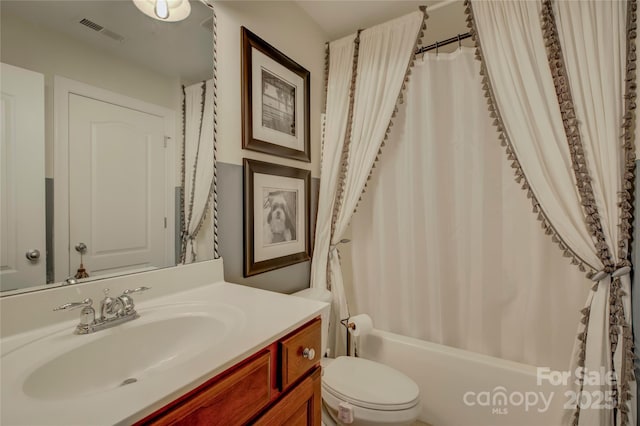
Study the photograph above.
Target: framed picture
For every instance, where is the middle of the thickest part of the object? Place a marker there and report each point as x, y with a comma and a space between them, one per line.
275, 101
276, 216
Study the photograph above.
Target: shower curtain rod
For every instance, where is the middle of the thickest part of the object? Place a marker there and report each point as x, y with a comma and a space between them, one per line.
438, 44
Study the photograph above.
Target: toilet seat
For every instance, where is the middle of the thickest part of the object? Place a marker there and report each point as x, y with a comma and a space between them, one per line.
369, 385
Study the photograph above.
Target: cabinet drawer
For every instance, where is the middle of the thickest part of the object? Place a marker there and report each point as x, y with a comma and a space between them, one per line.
233, 400
293, 363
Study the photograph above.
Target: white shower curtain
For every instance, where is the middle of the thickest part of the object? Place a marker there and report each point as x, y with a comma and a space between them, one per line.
446, 237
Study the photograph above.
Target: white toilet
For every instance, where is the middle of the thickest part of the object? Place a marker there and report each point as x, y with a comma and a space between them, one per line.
359, 392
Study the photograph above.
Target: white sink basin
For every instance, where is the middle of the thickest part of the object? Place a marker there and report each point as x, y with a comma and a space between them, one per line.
50, 376
163, 337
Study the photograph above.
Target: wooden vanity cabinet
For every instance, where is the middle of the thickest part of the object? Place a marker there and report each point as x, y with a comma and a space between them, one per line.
299, 407
275, 386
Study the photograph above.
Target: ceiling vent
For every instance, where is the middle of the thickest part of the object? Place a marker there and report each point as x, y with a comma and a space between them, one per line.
100, 29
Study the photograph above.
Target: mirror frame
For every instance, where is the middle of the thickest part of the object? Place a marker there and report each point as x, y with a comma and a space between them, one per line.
216, 251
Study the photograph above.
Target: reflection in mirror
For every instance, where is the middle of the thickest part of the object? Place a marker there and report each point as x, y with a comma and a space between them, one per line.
92, 140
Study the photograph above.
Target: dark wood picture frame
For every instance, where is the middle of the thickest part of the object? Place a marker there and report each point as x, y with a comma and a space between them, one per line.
251, 266
249, 139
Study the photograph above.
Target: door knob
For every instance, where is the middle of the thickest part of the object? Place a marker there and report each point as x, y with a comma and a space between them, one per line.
81, 248
33, 254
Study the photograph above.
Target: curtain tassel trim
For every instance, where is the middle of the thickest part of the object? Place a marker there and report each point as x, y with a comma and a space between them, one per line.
344, 156
574, 139
327, 58
618, 318
582, 355
327, 63
505, 141
628, 133
183, 163
186, 223
619, 329
212, 193
400, 98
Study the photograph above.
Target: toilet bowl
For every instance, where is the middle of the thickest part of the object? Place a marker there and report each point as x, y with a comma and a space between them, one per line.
360, 392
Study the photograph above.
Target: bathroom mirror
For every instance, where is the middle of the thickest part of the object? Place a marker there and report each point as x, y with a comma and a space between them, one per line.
95, 187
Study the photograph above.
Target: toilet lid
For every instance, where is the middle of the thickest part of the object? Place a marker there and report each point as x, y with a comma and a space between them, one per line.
369, 384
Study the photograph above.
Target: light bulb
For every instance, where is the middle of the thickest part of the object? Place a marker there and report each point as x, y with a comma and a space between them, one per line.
162, 9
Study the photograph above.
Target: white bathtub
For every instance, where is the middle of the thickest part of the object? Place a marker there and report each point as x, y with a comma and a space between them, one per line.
461, 388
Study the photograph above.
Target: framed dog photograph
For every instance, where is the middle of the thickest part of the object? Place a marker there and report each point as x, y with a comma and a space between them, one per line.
276, 216
275, 101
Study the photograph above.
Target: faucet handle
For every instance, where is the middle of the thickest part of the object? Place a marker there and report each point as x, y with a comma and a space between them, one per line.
87, 315
128, 303
136, 290
74, 305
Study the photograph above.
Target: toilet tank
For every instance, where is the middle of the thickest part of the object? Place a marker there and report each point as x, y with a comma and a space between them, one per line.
321, 295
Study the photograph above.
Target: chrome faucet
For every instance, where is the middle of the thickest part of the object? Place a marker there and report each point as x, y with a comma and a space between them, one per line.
113, 311
110, 308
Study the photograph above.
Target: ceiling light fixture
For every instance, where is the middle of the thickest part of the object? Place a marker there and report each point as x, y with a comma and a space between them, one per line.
164, 10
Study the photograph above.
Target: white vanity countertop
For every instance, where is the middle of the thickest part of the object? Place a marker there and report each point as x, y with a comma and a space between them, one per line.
260, 318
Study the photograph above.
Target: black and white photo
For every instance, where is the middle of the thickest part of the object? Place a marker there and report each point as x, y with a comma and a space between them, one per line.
276, 216
278, 104
275, 101
279, 215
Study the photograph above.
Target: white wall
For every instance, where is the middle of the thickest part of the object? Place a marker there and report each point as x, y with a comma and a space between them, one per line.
289, 29
38, 49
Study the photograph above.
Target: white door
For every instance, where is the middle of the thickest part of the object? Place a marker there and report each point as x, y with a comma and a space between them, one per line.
22, 203
117, 187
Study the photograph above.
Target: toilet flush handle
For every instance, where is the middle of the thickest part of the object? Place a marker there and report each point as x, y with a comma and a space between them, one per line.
309, 353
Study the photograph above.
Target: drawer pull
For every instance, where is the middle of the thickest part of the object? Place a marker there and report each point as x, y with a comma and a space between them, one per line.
309, 353
299, 352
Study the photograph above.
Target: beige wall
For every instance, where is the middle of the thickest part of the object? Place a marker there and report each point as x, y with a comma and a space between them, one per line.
447, 22
289, 29
35, 48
